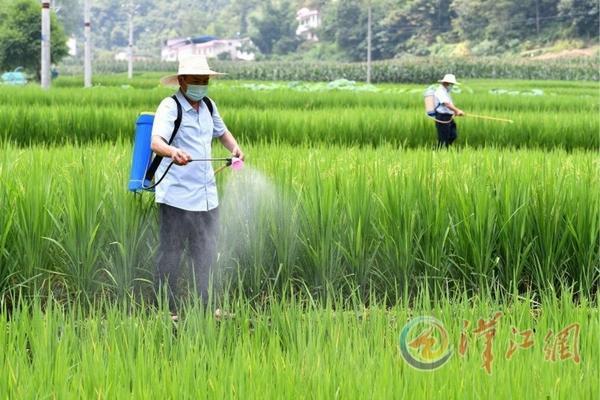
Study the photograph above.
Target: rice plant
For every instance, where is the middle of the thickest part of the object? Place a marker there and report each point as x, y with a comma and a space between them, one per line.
343, 218
343, 226
290, 348
565, 117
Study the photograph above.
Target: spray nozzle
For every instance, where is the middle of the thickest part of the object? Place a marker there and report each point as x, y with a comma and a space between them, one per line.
236, 163
233, 162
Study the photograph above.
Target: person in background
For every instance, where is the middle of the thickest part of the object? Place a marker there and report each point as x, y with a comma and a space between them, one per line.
53, 72
445, 111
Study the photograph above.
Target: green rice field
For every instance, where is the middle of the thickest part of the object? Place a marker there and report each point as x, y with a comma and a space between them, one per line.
345, 226
546, 114
289, 349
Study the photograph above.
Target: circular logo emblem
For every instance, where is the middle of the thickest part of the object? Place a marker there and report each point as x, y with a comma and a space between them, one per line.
424, 343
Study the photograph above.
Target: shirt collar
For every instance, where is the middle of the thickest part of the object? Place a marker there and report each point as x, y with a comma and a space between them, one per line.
185, 104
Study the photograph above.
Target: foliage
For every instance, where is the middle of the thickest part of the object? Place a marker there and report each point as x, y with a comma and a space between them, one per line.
275, 29
583, 15
70, 15
20, 32
333, 236
491, 27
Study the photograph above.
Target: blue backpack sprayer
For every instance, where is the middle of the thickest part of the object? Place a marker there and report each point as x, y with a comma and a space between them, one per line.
143, 165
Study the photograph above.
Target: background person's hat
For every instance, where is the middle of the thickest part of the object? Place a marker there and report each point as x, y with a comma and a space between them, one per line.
449, 78
190, 65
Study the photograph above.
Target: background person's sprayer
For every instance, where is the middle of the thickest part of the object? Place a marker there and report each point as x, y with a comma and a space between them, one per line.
431, 104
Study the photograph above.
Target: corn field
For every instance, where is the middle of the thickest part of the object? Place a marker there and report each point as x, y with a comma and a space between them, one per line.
409, 69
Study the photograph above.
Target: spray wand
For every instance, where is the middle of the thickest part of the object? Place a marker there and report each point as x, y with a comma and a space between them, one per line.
234, 162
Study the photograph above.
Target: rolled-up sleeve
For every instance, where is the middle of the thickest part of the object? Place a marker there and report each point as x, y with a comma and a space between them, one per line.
219, 127
164, 119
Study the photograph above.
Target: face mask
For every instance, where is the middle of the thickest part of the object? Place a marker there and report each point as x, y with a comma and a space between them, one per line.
196, 92
450, 88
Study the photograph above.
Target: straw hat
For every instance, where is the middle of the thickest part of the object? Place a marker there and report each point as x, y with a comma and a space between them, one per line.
449, 78
190, 65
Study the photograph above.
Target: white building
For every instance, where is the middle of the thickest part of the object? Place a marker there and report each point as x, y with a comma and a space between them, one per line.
308, 22
206, 46
121, 56
124, 56
72, 46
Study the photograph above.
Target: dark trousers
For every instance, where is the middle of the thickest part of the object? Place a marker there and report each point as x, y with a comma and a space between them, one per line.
446, 131
196, 230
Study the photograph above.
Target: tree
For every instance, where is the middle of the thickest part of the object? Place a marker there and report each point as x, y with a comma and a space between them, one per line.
241, 9
275, 30
70, 15
502, 22
351, 29
20, 32
582, 16
345, 24
412, 26
540, 13
471, 18
399, 26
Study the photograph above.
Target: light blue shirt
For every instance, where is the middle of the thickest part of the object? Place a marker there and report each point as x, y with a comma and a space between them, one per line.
190, 187
442, 96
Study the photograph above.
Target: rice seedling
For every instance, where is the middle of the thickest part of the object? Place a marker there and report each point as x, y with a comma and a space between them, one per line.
343, 226
557, 96
564, 117
336, 217
339, 126
290, 348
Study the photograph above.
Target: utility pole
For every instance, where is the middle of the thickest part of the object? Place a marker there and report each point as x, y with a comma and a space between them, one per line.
130, 48
45, 68
369, 46
87, 62
537, 17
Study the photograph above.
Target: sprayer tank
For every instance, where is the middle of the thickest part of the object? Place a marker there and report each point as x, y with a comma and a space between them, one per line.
142, 152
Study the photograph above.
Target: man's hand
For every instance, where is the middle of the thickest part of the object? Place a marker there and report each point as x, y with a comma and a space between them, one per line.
237, 152
459, 112
180, 157
229, 142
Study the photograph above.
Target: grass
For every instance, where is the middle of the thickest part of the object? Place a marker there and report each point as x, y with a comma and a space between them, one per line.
520, 219
565, 117
343, 226
289, 348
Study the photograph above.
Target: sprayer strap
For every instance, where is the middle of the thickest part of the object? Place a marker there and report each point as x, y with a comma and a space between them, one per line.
157, 159
209, 105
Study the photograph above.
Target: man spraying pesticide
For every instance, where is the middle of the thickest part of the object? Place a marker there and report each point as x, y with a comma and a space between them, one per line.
444, 110
181, 135
440, 107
